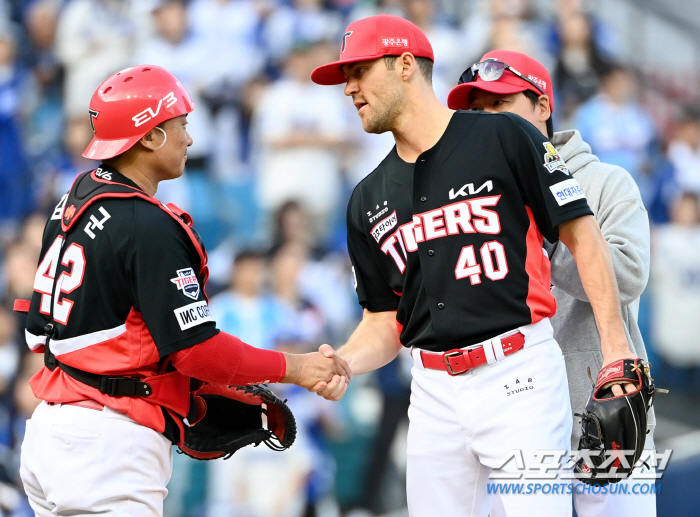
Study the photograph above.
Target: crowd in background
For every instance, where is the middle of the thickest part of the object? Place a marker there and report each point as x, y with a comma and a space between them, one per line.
274, 160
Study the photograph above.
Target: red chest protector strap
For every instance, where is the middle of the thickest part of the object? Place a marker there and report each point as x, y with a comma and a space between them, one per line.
92, 186
168, 389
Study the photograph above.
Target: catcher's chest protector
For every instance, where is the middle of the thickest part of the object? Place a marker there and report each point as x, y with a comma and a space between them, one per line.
168, 389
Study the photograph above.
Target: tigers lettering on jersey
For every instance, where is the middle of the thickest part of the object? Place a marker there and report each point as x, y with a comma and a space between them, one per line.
469, 216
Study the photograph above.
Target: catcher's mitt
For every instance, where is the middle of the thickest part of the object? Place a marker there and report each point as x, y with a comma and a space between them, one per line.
613, 428
233, 419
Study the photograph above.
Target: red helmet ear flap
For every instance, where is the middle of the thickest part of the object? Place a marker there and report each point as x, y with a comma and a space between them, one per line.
129, 104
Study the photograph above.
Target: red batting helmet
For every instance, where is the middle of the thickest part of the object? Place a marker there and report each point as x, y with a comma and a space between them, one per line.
131, 103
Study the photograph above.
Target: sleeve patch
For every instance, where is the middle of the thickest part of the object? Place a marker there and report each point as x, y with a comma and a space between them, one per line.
567, 191
552, 160
384, 226
186, 281
192, 315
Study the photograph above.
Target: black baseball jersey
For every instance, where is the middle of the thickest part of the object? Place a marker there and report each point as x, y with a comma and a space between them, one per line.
453, 243
124, 286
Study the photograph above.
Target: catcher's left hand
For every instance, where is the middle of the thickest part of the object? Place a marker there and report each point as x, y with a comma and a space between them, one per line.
613, 422
233, 418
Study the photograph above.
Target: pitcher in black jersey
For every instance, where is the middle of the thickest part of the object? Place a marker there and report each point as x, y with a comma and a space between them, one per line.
445, 238
120, 312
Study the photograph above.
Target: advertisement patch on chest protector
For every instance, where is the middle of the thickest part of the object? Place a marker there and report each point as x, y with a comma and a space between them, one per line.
567, 191
192, 315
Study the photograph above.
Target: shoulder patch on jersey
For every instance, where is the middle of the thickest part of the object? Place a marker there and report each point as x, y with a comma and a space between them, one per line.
552, 160
186, 281
567, 191
69, 212
192, 315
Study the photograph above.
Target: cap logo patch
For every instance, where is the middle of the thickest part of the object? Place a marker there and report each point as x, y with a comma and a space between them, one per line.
186, 281
93, 116
539, 82
345, 38
395, 42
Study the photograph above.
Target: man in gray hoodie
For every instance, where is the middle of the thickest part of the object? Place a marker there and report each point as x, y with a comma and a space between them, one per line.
616, 203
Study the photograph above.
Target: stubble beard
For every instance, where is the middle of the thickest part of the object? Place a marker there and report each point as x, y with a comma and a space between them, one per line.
385, 115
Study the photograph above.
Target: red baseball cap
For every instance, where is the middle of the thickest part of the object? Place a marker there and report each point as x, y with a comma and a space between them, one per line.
372, 38
508, 82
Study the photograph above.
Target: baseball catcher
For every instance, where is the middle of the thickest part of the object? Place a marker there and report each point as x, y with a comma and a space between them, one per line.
231, 417
613, 428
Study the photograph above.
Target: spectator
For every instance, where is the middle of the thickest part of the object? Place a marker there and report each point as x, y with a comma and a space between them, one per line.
303, 323
504, 24
19, 270
304, 21
299, 128
176, 47
94, 39
288, 323
619, 130
365, 9
246, 309
684, 151
292, 226
323, 278
9, 350
229, 30
580, 63
41, 20
675, 284
449, 55
76, 136
15, 179
45, 122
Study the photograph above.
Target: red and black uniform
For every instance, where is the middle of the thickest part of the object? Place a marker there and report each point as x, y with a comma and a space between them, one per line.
119, 292
453, 243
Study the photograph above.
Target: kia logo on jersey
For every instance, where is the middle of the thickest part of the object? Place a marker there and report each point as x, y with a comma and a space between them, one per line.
187, 282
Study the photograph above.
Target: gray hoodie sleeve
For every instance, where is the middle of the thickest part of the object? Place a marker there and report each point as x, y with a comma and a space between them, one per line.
623, 220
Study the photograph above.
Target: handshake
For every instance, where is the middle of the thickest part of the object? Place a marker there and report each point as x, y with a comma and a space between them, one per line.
323, 372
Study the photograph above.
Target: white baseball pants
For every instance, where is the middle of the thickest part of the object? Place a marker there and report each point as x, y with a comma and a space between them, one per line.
80, 461
462, 426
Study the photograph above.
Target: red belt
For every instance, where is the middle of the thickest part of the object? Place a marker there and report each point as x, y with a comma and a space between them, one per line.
459, 361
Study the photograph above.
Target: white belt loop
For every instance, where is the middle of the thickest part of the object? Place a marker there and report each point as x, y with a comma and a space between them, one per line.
498, 348
489, 346
417, 359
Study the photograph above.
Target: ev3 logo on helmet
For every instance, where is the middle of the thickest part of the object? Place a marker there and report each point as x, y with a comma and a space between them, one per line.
148, 113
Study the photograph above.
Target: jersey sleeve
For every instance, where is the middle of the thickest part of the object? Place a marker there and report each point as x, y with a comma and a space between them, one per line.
547, 185
373, 292
168, 291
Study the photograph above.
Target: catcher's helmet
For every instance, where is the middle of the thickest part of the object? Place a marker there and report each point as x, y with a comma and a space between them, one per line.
129, 104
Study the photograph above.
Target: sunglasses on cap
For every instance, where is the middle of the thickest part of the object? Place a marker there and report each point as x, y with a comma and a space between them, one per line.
491, 70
